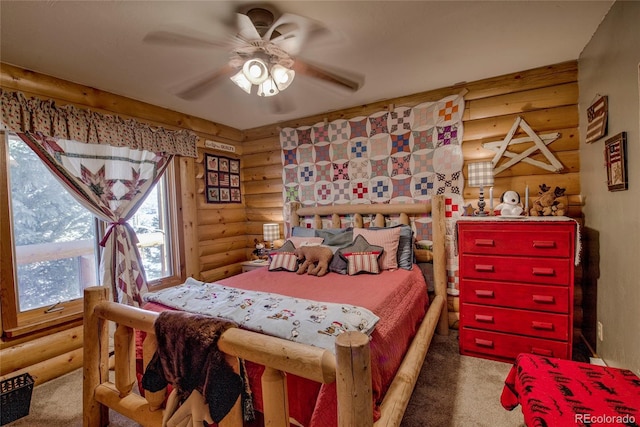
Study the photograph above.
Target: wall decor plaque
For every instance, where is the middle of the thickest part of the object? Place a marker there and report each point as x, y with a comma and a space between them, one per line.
222, 179
616, 161
597, 114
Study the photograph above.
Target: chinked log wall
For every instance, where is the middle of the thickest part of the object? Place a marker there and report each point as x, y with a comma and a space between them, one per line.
546, 98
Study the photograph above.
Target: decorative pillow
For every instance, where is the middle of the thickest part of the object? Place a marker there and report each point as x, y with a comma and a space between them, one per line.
305, 241
340, 238
287, 261
388, 238
405, 246
283, 259
362, 262
303, 232
340, 264
333, 230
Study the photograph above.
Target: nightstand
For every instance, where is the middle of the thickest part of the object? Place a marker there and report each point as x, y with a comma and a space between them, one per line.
255, 264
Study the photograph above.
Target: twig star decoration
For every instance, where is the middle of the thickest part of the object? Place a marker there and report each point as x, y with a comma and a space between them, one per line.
540, 143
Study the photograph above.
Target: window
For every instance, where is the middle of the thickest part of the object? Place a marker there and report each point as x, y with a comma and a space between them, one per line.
53, 251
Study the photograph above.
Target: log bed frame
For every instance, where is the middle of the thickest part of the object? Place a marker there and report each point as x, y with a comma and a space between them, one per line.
349, 367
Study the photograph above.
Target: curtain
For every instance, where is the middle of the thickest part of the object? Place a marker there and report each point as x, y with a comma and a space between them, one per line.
21, 114
112, 182
108, 164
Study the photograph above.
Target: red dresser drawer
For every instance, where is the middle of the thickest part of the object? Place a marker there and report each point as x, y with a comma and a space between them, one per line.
553, 299
521, 322
550, 271
506, 347
539, 240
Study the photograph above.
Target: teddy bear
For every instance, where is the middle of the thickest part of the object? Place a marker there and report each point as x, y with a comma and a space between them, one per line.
259, 252
548, 204
316, 259
510, 204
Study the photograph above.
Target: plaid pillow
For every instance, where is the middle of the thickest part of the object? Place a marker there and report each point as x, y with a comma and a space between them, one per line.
362, 262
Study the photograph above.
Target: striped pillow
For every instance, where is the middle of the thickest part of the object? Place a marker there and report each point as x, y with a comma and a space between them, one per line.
388, 238
286, 261
362, 262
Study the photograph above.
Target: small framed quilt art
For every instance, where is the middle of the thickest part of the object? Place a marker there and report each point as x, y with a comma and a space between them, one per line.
615, 155
222, 179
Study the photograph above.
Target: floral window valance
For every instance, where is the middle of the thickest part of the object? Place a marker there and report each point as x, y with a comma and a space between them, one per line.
20, 114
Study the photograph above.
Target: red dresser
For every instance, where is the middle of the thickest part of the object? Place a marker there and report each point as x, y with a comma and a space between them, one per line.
516, 287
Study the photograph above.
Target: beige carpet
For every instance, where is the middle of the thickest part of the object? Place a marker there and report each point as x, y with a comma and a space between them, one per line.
452, 390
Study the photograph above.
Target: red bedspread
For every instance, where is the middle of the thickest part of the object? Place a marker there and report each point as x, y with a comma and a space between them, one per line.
556, 392
398, 297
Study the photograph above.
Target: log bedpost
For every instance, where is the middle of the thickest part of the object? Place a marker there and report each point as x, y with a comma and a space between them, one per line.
96, 368
353, 380
335, 221
274, 398
125, 357
440, 258
295, 218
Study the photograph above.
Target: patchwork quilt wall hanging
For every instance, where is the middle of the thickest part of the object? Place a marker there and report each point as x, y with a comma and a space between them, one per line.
400, 156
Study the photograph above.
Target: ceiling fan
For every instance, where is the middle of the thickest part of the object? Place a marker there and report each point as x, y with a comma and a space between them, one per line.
263, 49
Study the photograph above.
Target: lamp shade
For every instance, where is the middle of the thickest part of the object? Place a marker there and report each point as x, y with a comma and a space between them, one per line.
241, 81
270, 232
480, 174
282, 76
267, 88
255, 70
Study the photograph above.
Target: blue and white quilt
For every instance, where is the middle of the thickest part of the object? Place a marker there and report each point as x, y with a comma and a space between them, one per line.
296, 319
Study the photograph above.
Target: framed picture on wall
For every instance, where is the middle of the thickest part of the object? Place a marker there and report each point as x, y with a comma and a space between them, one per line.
597, 114
615, 156
222, 179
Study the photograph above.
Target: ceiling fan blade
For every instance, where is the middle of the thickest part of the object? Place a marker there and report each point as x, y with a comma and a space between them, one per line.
294, 31
280, 104
199, 87
246, 30
169, 38
341, 78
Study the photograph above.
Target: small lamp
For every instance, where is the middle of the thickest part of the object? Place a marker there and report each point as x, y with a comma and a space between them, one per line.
481, 174
270, 232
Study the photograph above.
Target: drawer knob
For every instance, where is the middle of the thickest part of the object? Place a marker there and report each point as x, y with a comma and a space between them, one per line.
485, 242
484, 343
542, 351
484, 267
544, 299
541, 271
484, 293
544, 244
483, 318
542, 326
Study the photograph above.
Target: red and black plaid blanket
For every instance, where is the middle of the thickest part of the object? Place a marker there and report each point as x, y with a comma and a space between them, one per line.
556, 392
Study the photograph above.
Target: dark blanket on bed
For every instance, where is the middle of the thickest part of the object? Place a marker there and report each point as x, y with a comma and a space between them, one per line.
188, 358
557, 392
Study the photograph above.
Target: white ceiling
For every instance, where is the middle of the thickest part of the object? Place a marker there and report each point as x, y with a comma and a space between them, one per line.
402, 47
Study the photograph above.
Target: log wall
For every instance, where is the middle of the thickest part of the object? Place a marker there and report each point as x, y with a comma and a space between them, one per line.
546, 98
216, 238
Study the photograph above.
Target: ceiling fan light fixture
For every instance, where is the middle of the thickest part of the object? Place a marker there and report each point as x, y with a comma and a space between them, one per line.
255, 70
242, 82
282, 76
268, 88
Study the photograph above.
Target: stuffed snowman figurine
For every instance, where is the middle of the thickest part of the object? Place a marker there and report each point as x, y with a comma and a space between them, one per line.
510, 204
